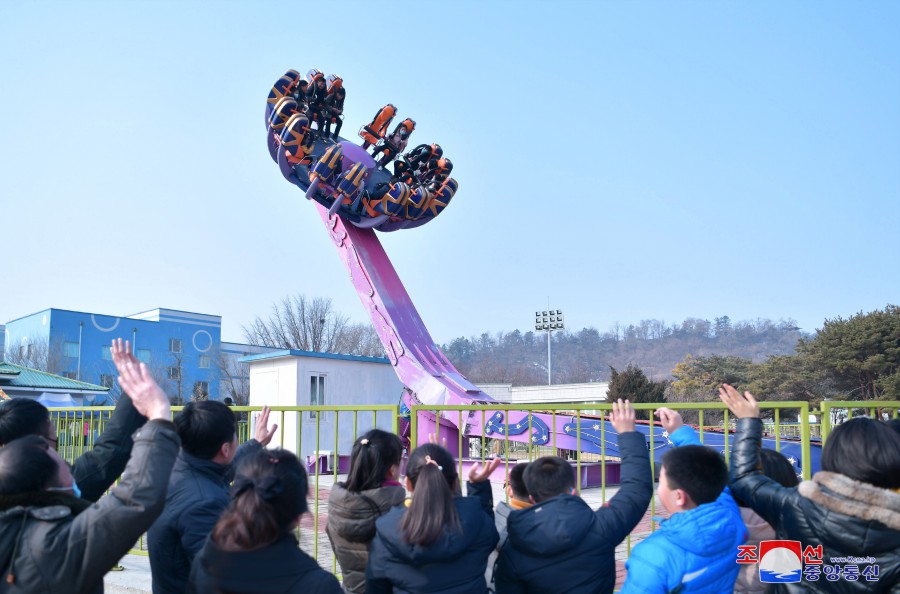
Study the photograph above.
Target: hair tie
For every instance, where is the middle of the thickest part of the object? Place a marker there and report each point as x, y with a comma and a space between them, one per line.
273, 460
267, 488
430, 460
364, 441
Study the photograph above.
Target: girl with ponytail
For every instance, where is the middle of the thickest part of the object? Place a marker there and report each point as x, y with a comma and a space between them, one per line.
253, 549
370, 491
438, 541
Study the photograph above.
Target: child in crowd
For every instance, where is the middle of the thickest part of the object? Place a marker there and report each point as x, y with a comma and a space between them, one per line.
774, 465
560, 544
850, 508
518, 499
696, 548
252, 549
370, 491
437, 542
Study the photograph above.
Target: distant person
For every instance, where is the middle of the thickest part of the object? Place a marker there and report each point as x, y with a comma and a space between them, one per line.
198, 489
560, 544
253, 549
850, 508
315, 98
96, 470
518, 499
438, 542
334, 113
370, 491
51, 540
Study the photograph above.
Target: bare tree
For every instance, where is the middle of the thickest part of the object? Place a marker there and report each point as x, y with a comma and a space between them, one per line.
39, 353
312, 324
234, 377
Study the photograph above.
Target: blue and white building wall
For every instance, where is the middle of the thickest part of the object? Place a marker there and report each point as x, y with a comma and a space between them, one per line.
179, 347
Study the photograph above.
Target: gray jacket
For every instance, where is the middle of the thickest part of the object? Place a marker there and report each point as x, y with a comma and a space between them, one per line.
58, 543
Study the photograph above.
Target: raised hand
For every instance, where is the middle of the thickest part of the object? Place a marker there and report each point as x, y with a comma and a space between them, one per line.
261, 433
622, 416
432, 438
135, 379
670, 419
743, 407
482, 472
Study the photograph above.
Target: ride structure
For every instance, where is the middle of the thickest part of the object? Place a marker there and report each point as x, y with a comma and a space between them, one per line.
354, 197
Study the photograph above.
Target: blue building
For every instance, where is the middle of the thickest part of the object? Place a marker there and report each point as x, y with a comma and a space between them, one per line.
184, 350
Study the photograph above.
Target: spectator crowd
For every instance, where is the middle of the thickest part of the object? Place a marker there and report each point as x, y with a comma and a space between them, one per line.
223, 518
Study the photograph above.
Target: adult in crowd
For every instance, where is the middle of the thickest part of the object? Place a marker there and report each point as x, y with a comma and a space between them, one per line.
850, 508
96, 470
198, 488
53, 541
253, 548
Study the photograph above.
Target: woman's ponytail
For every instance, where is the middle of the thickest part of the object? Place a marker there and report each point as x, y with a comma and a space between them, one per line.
373, 455
432, 472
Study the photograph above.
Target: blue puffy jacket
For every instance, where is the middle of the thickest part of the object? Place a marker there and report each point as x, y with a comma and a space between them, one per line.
694, 551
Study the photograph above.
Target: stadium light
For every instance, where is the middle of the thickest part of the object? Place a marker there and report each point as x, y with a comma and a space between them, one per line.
548, 320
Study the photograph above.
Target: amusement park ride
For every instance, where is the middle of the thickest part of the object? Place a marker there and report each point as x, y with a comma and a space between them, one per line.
356, 196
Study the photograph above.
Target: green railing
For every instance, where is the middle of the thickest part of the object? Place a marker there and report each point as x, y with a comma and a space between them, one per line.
311, 430
833, 411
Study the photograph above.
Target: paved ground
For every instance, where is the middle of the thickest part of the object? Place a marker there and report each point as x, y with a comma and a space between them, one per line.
135, 575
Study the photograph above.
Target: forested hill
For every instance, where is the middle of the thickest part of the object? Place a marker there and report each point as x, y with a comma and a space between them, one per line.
586, 355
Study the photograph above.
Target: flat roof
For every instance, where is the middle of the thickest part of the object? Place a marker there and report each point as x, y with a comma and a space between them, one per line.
314, 355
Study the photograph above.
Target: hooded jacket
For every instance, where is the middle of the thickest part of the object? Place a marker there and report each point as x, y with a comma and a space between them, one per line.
562, 545
454, 564
692, 551
198, 494
280, 568
64, 544
351, 527
846, 517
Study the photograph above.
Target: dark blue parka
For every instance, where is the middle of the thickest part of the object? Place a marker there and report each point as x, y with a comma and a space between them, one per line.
454, 564
562, 545
198, 494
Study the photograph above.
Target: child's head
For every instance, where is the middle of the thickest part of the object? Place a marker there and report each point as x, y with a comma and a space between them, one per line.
431, 476
690, 476
865, 450
267, 499
515, 485
375, 458
775, 466
549, 477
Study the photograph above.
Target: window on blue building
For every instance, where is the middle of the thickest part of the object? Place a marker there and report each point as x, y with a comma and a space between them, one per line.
203, 362
143, 355
104, 352
316, 392
174, 373
174, 345
107, 381
68, 374
70, 349
201, 388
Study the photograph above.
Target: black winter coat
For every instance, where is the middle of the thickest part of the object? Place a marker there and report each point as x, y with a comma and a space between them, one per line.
280, 568
846, 517
64, 544
95, 471
562, 545
351, 528
454, 564
198, 494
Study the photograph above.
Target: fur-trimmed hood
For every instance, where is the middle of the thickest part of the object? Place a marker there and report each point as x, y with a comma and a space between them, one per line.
844, 495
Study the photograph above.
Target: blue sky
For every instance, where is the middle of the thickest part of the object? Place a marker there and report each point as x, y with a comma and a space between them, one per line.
628, 160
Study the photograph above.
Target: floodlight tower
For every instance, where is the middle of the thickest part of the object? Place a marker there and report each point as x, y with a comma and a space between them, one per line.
548, 321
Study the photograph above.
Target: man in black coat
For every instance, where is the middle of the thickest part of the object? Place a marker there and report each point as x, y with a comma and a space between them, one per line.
560, 544
198, 489
94, 471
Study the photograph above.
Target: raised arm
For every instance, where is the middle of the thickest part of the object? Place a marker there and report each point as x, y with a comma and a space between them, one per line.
95, 471
765, 496
627, 507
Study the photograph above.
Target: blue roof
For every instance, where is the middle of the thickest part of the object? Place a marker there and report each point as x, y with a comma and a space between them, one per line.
313, 354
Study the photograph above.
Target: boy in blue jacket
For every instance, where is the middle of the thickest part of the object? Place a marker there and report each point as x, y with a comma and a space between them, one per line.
695, 550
